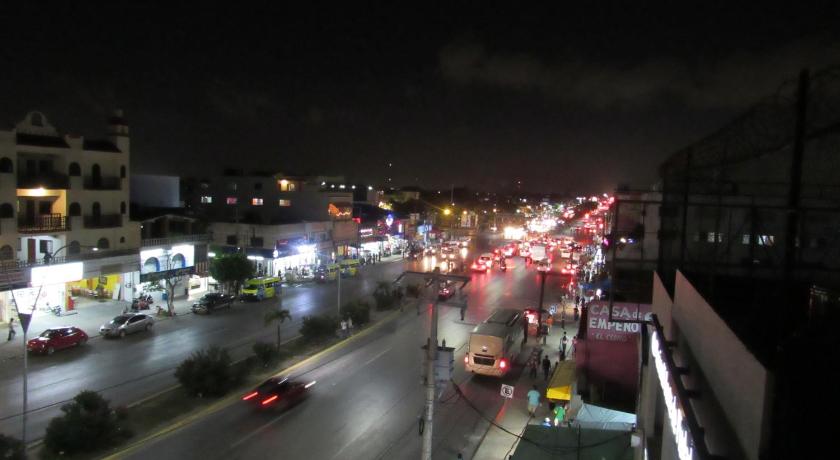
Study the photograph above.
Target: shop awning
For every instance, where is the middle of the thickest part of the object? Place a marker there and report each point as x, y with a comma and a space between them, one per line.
562, 382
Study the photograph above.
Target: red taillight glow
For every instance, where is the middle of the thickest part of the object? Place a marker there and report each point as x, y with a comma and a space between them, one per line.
502, 364
249, 396
270, 400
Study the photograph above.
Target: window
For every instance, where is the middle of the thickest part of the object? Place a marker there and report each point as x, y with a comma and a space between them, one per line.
96, 209
7, 253
206, 199
232, 186
766, 240
74, 169
177, 261
231, 200
286, 186
6, 165
122, 239
257, 185
232, 239
745, 239
122, 171
44, 246
256, 201
712, 237
103, 243
256, 242
75, 209
284, 203
122, 207
6, 210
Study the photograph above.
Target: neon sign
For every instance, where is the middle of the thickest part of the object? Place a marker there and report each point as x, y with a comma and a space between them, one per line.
683, 439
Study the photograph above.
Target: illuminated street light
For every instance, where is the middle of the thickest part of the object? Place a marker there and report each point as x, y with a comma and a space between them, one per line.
447, 212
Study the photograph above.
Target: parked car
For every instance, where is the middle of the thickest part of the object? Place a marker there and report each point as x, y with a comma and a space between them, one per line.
57, 338
544, 266
126, 324
212, 301
447, 290
278, 392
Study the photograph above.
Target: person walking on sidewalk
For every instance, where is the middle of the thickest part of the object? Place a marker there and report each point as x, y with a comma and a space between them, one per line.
532, 364
559, 414
563, 343
533, 401
11, 330
574, 346
350, 325
546, 365
343, 328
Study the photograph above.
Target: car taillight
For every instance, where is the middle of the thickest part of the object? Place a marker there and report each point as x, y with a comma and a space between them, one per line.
249, 396
502, 364
269, 400
466, 359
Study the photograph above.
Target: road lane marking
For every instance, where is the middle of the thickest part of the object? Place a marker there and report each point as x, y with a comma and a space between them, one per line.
232, 399
375, 357
258, 430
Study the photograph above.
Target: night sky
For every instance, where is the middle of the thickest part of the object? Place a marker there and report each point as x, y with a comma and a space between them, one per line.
571, 99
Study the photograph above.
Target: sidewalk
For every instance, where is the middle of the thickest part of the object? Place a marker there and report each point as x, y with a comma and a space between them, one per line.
87, 316
498, 444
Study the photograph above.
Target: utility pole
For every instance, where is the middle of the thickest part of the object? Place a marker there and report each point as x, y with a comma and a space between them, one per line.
433, 278
338, 277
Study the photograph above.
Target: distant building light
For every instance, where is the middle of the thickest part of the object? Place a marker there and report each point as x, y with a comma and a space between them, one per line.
341, 186
370, 187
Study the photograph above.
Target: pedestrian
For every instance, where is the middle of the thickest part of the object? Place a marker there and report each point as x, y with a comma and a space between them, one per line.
350, 324
11, 329
577, 313
574, 346
533, 401
562, 354
546, 365
343, 328
564, 342
533, 365
463, 310
559, 414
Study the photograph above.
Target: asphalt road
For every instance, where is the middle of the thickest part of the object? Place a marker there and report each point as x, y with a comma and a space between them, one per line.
142, 364
368, 396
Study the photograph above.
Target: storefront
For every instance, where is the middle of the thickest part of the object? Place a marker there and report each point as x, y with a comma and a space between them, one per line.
163, 265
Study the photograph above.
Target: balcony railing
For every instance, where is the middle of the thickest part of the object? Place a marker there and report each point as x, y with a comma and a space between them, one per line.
103, 183
103, 221
44, 223
172, 240
48, 180
14, 265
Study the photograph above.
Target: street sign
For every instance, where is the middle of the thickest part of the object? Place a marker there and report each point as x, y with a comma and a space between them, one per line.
507, 391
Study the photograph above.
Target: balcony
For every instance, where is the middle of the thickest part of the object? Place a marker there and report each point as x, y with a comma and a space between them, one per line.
103, 221
102, 183
44, 224
173, 240
48, 180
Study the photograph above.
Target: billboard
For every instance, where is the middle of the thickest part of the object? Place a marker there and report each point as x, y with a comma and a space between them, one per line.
165, 259
599, 326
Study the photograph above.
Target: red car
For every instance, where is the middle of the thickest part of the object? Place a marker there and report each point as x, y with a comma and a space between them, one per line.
57, 338
278, 392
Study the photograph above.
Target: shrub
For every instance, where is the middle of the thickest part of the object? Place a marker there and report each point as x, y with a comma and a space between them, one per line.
358, 311
413, 291
206, 373
318, 327
88, 424
11, 448
265, 352
385, 296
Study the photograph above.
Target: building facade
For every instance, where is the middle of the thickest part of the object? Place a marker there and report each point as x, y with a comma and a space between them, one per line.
65, 198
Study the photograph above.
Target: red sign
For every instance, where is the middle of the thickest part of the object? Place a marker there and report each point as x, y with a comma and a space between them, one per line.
600, 327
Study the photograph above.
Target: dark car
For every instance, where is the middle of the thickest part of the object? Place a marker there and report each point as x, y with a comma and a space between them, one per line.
212, 301
57, 338
447, 290
278, 392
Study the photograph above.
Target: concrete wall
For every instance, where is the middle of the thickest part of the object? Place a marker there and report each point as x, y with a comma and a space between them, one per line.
739, 381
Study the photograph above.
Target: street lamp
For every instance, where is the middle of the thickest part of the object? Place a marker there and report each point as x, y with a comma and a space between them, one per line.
49, 256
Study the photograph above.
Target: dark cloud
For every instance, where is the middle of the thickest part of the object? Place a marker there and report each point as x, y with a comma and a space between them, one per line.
731, 81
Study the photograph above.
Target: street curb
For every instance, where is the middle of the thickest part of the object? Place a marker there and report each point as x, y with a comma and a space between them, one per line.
228, 400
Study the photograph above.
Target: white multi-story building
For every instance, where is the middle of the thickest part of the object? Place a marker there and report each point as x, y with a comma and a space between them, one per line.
66, 197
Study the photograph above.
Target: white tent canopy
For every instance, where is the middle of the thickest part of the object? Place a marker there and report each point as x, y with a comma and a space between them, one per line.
590, 416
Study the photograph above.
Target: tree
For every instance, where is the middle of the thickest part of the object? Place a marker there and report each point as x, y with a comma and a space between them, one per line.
231, 270
11, 448
206, 372
280, 315
88, 424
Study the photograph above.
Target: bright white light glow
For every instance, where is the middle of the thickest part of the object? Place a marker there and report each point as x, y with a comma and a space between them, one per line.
56, 274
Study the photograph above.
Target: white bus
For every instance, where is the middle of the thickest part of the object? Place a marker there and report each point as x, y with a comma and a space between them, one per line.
495, 343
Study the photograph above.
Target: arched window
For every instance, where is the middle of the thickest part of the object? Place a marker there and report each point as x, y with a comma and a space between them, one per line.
6, 165
7, 253
122, 239
151, 265
103, 243
96, 175
177, 261
75, 209
96, 210
122, 171
74, 169
74, 248
122, 207
6, 211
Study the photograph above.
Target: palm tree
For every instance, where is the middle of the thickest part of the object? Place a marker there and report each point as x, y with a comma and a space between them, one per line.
280, 315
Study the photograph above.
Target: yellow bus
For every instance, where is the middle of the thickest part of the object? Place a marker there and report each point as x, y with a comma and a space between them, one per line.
261, 288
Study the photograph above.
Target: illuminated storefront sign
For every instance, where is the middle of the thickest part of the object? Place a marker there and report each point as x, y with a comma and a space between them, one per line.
55, 274
676, 417
365, 232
